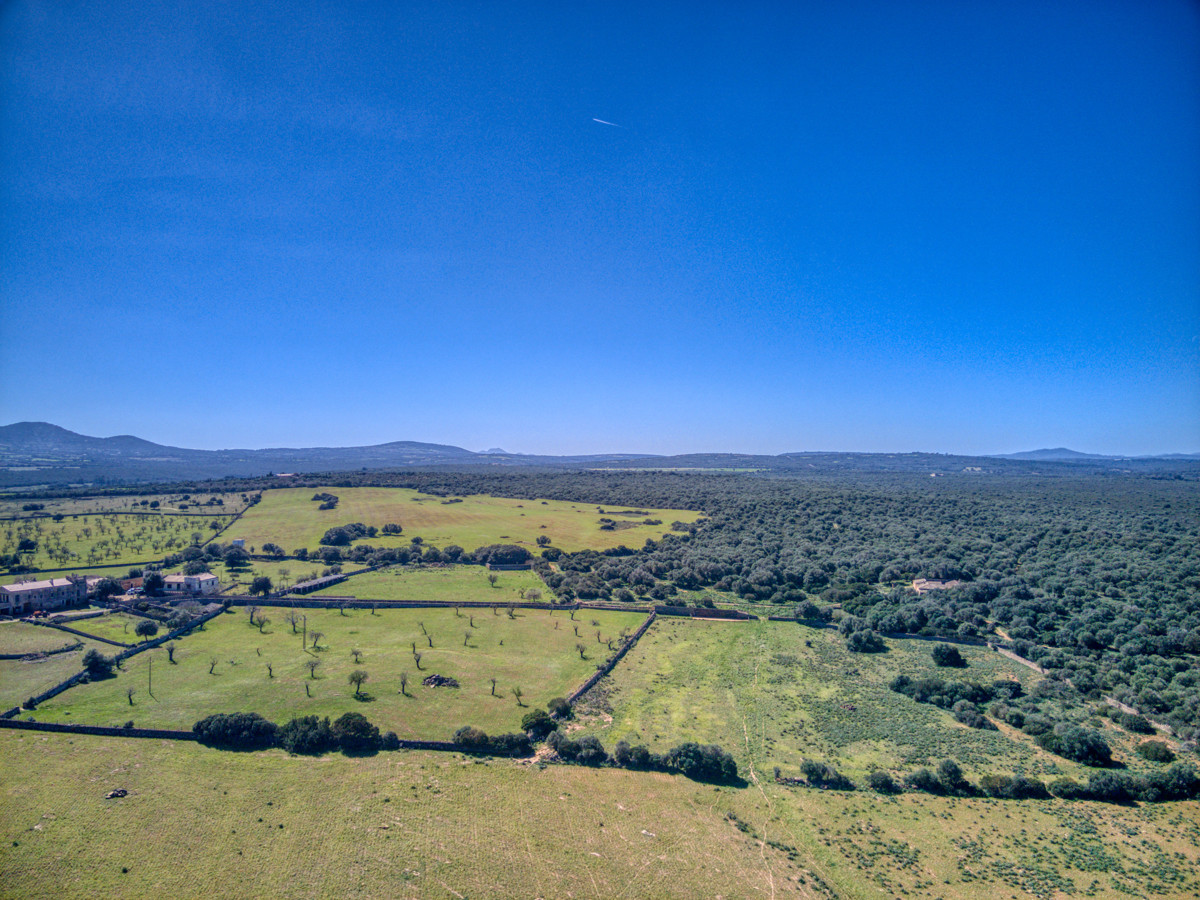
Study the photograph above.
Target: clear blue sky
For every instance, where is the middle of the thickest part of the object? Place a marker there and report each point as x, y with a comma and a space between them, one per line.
952, 226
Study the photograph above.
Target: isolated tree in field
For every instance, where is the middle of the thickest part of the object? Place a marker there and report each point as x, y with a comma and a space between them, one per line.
493, 578
316, 638
170, 648
466, 638
576, 631
417, 660
472, 621
263, 622
422, 626
356, 678
312, 667
948, 656
146, 629
598, 641
533, 594
512, 611
261, 585
518, 693
212, 664
253, 611
293, 619
493, 680
357, 654
429, 638
404, 683
581, 648
129, 693
270, 671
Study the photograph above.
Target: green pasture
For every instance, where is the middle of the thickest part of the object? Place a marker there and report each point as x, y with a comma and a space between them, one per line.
777, 693
451, 584
168, 503
538, 655
104, 539
21, 637
290, 518
21, 679
115, 626
438, 825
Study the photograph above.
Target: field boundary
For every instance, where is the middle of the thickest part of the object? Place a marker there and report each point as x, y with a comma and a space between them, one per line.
34, 654
611, 662
74, 631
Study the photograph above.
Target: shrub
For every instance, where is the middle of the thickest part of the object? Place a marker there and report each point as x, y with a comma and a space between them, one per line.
702, 763
1155, 751
511, 745
947, 656
236, 731
1082, 745
354, 734
1135, 723
390, 741
865, 642
882, 783
307, 735
97, 665
950, 775
560, 708
923, 780
627, 757
1068, 789
471, 739
537, 724
591, 752
823, 775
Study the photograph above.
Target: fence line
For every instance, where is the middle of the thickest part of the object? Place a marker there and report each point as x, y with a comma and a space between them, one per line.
612, 661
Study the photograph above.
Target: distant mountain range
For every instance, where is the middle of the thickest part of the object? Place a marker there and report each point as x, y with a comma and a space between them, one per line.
38, 453
1062, 454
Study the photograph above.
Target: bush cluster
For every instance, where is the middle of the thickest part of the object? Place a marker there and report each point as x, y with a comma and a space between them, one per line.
307, 735
473, 740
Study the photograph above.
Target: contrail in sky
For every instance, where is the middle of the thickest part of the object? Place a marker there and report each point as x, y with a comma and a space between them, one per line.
613, 124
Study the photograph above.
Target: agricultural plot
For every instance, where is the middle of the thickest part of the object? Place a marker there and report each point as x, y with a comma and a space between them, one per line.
21, 679
203, 503
413, 824
108, 539
405, 825
290, 518
21, 637
447, 584
113, 627
224, 668
777, 693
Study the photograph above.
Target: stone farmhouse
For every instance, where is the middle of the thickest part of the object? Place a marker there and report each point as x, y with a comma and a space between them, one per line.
31, 596
203, 584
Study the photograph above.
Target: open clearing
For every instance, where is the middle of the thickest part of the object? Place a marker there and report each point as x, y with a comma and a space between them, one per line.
538, 655
290, 518
204, 503
447, 584
414, 824
777, 693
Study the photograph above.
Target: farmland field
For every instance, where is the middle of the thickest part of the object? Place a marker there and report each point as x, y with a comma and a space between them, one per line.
448, 585
114, 627
203, 503
777, 693
290, 518
21, 637
93, 540
538, 655
24, 678
415, 825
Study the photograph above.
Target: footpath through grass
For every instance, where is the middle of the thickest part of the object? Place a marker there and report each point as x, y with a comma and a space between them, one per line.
289, 517
535, 651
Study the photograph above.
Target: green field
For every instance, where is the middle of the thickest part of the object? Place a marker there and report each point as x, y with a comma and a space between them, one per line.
536, 656
21, 637
762, 691
114, 627
447, 585
289, 518
168, 503
115, 540
430, 825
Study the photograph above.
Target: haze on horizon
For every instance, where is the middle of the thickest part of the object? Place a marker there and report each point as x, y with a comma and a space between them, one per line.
862, 226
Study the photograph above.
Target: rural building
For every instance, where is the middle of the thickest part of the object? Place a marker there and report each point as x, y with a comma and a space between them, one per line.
921, 585
204, 583
18, 599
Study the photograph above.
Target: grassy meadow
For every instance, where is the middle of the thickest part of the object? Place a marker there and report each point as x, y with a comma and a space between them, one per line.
114, 503
777, 693
436, 825
538, 655
447, 585
290, 518
21, 679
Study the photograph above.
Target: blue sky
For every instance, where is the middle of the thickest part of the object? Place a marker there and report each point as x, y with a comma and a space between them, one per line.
961, 227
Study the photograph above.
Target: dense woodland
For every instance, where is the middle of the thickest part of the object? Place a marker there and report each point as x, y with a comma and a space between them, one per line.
1094, 574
